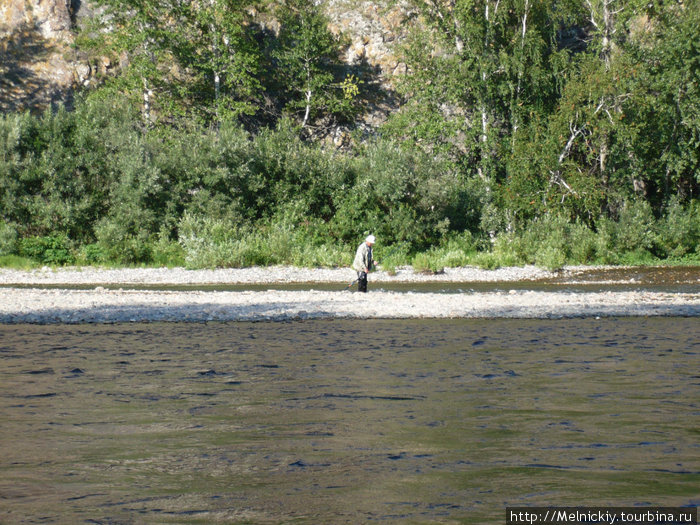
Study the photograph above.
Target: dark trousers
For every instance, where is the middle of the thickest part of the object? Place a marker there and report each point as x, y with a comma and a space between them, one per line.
361, 282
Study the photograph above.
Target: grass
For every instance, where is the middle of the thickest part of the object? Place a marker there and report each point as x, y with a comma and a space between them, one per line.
15, 262
432, 261
272, 249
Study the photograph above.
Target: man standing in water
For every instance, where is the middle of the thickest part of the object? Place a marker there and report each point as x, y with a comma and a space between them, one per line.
363, 262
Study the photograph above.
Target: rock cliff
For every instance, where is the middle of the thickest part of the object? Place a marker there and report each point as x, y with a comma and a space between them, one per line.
36, 66
40, 66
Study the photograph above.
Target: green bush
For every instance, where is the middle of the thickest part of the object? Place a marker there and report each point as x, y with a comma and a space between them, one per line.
54, 249
508, 250
168, 253
550, 241
17, 262
119, 245
582, 244
426, 262
392, 256
8, 239
211, 243
325, 256
95, 186
679, 230
635, 231
486, 260
550, 257
455, 251
91, 254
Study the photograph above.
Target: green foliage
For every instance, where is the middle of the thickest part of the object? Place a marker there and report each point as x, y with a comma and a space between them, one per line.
53, 250
679, 230
454, 251
91, 254
17, 263
489, 61
664, 116
215, 42
166, 252
122, 245
210, 243
404, 197
8, 239
306, 53
93, 186
549, 242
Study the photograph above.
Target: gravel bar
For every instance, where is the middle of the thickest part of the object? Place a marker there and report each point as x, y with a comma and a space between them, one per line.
34, 304
258, 275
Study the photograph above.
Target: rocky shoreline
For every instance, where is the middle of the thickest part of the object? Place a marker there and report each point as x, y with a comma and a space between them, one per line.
78, 295
258, 275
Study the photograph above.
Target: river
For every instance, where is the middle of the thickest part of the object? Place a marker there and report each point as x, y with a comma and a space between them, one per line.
346, 421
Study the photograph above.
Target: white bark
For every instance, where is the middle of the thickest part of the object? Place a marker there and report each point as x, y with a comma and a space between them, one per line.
521, 66
556, 174
147, 93
307, 112
602, 16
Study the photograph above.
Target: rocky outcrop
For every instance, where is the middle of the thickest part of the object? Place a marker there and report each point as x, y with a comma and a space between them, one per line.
39, 65
374, 28
50, 18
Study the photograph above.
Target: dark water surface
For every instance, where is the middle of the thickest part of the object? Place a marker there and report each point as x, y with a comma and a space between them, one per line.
337, 421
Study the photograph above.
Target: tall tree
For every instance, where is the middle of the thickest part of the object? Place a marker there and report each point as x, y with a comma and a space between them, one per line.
664, 117
582, 156
478, 73
482, 63
307, 56
137, 34
216, 45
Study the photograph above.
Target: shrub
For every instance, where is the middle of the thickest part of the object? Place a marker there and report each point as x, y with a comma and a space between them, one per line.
508, 250
53, 249
581, 244
426, 262
545, 236
17, 262
486, 260
321, 256
550, 257
121, 245
679, 230
167, 253
8, 239
634, 230
91, 254
212, 243
549, 241
456, 250
392, 256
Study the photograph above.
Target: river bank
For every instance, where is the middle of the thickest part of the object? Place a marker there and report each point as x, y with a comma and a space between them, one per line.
51, 296
260, 275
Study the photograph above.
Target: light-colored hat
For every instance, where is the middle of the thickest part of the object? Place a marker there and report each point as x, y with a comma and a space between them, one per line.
370, 239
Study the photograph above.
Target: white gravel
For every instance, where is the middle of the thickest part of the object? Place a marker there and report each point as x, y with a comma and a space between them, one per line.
35, 304
257, 275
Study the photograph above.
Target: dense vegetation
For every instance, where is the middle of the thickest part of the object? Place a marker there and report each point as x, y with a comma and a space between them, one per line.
530, 132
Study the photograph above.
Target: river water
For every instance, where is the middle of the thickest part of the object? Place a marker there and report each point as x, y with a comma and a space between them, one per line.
339, 421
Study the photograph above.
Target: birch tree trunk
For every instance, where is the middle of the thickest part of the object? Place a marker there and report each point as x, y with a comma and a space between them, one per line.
521, 69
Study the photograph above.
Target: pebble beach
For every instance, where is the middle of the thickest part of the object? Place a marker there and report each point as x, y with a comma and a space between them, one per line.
93, 295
